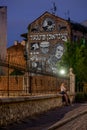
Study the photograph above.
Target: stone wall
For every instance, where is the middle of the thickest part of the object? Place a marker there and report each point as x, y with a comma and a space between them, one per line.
14, 109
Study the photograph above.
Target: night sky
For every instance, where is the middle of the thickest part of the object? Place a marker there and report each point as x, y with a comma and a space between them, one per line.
20, 13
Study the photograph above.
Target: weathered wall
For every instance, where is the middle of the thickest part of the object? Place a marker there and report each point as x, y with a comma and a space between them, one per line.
14, 109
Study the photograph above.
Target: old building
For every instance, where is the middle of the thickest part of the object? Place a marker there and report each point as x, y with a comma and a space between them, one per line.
46, 37
45, 40
15, 57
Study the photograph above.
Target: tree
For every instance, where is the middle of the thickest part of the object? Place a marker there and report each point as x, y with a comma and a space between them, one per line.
75, 57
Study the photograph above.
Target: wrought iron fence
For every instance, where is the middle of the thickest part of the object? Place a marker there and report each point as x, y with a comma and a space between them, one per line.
23, 83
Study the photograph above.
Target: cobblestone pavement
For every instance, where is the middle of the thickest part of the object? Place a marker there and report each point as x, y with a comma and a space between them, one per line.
80, 123
55, 119
73, 120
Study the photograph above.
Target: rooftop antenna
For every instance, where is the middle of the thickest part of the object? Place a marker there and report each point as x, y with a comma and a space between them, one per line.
67, 15
54, 8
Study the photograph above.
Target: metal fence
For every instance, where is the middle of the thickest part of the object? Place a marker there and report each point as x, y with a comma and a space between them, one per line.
23, 83
30, 85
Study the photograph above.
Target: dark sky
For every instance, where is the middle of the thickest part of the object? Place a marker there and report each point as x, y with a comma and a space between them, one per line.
22, 12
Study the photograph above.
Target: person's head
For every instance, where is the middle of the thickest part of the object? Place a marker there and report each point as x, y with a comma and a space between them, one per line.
63, 84
59, 51
44, 46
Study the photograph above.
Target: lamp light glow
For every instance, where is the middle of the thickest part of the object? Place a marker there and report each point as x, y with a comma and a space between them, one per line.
62, 72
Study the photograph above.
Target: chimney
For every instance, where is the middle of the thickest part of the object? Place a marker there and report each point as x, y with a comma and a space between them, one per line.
23, 43
15, 43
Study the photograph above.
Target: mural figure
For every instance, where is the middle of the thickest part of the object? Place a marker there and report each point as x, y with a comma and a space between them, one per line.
48, 24
34, 46
36, 66
56, 56
38, 62
44, 46
59, 51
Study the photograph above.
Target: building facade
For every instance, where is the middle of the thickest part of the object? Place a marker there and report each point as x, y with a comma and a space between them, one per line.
46, 37
15, 57
45, 41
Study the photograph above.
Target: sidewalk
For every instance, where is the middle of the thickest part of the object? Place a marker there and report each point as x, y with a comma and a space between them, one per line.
77, 116
49, 120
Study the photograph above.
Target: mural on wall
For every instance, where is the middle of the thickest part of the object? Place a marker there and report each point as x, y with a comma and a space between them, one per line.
56, 55
34, 46
39, 60
35, 29
38, 53
44, 47
47, 45
48, 24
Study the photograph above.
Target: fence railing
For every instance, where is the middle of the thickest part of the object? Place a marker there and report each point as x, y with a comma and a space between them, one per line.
22, 85
30, 85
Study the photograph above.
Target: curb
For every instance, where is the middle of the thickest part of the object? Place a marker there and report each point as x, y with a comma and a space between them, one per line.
64, 121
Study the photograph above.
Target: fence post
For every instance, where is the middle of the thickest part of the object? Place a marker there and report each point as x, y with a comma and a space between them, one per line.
72, 81
8, 74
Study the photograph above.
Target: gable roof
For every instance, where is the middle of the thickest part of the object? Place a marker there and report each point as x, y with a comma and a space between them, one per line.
17, 47
46, 13
74, 25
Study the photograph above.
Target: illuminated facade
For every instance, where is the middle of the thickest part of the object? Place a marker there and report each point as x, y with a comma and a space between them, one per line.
46, 38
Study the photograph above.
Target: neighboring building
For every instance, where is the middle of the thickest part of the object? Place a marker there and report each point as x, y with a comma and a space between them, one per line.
15, 56
84, 23
3, 34
45, 40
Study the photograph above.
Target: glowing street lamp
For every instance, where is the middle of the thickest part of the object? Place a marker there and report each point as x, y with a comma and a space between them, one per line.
62, 72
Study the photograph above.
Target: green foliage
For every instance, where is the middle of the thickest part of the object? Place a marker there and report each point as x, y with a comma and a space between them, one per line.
76, 57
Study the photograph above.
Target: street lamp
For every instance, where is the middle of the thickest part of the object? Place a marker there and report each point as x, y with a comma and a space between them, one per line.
62, 72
